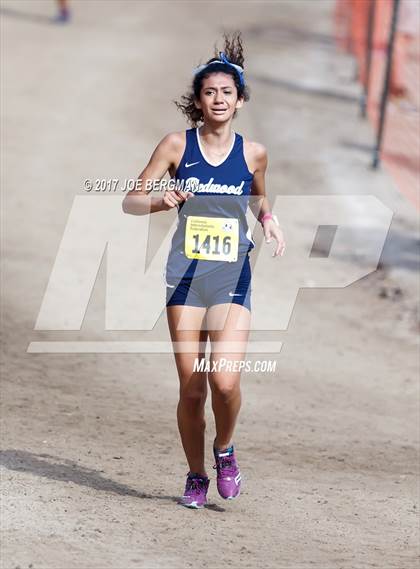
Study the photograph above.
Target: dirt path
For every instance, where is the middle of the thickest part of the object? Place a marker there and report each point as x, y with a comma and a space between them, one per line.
91, 459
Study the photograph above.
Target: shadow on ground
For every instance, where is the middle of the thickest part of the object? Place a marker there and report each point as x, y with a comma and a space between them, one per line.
66, 470
26, 16
282, 32
294, 87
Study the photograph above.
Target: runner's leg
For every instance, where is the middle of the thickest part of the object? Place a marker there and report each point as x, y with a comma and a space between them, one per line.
192, 385
225, 384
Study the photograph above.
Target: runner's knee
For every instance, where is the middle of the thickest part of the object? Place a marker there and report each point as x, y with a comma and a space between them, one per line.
226, 391
193, 397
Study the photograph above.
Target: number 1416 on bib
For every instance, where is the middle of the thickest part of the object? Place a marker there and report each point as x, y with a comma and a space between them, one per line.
211, 238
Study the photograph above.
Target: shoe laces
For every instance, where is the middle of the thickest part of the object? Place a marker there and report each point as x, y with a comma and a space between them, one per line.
195, 484
226, 463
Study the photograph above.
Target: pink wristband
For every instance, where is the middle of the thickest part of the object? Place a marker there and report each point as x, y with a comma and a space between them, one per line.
265, 217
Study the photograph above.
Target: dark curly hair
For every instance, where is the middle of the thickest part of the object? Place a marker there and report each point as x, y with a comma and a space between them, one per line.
233, 50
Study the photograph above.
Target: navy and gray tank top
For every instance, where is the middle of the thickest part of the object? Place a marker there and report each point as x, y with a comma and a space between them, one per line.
220, 191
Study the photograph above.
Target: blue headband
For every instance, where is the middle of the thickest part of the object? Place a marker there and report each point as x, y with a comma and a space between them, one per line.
224, 60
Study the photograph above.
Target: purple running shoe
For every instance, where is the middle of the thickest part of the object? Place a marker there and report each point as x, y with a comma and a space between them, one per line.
228, 474
195, 495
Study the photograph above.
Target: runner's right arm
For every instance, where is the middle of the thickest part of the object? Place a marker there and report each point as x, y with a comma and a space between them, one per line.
166, 155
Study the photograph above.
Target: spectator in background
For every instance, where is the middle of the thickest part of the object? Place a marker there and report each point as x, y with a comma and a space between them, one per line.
63, 16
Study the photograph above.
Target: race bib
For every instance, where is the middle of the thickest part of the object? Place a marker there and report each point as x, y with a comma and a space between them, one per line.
212, 238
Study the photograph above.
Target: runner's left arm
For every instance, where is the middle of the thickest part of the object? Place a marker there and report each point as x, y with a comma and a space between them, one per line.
259, 204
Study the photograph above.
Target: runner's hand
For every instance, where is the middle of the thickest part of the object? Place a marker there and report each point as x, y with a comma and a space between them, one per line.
171, 198
273, 231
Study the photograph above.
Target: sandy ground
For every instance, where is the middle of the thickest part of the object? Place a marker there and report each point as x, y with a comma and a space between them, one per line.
328, 444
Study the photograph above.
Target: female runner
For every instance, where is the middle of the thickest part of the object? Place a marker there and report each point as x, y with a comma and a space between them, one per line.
208, 271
